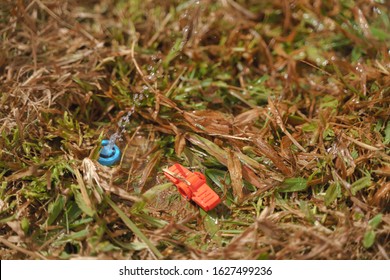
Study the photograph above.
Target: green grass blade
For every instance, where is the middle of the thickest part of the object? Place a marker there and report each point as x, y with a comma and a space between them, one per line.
293, 185
133, 227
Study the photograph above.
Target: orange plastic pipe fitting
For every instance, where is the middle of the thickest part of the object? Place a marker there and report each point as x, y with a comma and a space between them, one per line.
192, 186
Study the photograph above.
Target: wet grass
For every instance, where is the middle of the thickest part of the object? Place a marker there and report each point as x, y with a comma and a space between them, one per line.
283, 106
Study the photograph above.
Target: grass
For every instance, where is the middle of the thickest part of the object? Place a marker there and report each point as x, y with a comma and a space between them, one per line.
284, 108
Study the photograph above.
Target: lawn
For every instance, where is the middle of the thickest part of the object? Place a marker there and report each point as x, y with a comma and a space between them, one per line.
284, 106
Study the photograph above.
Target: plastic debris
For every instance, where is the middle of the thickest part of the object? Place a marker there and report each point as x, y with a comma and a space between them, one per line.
109, 156
192, 186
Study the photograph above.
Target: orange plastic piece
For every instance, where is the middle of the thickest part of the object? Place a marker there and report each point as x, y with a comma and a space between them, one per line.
192, 186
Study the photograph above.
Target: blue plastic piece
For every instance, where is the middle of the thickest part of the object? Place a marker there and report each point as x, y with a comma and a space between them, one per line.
109, 156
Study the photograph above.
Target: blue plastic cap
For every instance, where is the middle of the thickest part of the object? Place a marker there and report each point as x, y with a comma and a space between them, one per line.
109, 156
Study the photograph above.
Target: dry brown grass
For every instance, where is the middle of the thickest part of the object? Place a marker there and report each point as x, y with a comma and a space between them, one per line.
284, 107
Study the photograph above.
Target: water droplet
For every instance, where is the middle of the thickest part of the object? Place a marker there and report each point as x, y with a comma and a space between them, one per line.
151, 76
117, 136
186, 29
377, 10
359, 68
215, 220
